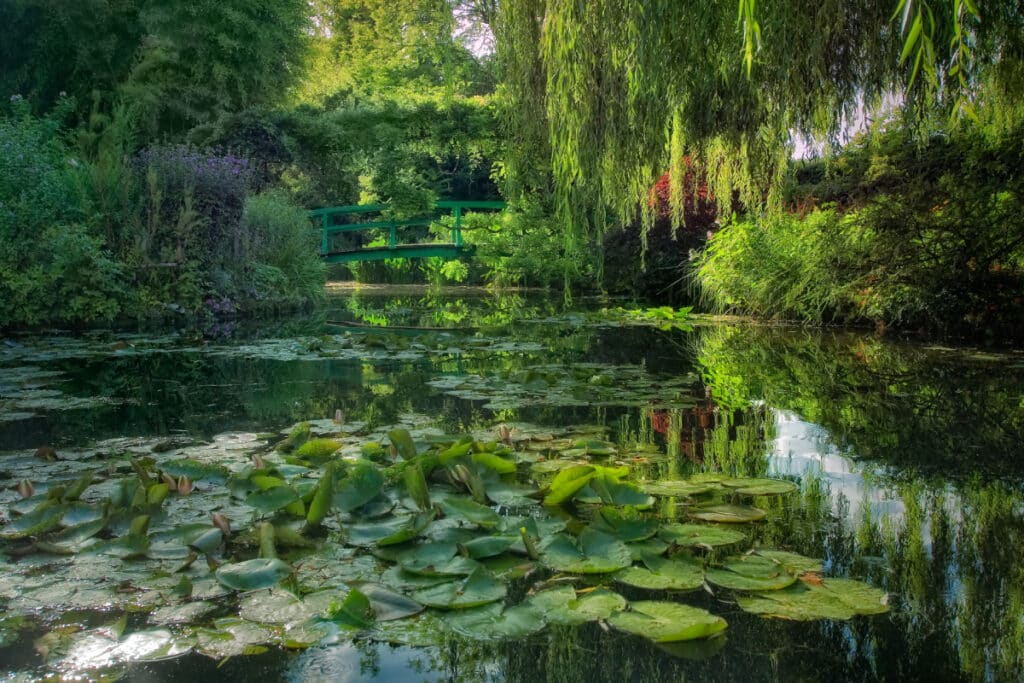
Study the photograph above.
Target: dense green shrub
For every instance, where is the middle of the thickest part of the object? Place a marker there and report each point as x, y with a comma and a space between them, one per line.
925, 235
283, 249
51, 267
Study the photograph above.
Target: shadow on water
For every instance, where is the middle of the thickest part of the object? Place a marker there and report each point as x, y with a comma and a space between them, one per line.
909, 460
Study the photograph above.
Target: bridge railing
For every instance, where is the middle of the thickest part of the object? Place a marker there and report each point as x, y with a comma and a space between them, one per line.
328, 227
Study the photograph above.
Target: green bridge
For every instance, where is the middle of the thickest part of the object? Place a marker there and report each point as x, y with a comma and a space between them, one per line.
332, 223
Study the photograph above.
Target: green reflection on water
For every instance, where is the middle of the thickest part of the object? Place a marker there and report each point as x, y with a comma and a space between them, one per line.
931, 436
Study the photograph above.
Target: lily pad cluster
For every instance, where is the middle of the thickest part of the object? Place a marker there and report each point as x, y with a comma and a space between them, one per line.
329, 532
582, 384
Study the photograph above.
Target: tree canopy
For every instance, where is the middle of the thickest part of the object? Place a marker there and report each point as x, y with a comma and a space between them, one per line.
621, 91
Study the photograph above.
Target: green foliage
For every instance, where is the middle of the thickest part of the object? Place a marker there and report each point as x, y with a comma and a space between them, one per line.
930, 236
51, 267
618, 92
283, 248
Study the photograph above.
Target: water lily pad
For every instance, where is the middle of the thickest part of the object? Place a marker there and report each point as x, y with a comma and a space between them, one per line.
195, 470
832, 599
674, 488
695, 535
750, 573
389, 532
791, 562
470, 511
272, 499
666, 622
479, 588
253, 574
760, 486
40, 520
362, 483
563, 605
489, 546
387, 604
624, 524
658, 573
401, 439
495, 622
729, 514
594, 553
567, 482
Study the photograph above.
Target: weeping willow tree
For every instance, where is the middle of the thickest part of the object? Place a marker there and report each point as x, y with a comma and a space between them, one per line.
608, 94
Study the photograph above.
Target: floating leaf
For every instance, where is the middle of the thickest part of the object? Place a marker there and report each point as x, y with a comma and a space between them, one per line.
832, 599
594, 553
362, 483
195, 470
488, 546
728, 514
388, 605
494, 462
791, 562
272, 499
45, 517
682, 489
402, 440
567, 482
563, 606
750, 573
700, 535
253, 574
625, 524
760, 486
666, 622
479, 588
352, 612
678, 573
317, 450
495, 622
469, 511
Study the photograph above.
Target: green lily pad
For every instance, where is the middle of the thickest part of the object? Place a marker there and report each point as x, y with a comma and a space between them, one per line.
791, 562
667, 622
678, 574
479, 588
750, 573
253, 574
402, 441
470, 511
594, 553
563, 605
495, 622
610, 491
272, 499
728, 514
389, 532
760, 486
832, 599
681, 489
388, 605
38, 521
488, 546
567, 482
625, 524
195, 470
436, 559
362, 483
695, 535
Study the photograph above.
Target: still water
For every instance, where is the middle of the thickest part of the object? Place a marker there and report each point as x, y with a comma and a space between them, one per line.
908, 456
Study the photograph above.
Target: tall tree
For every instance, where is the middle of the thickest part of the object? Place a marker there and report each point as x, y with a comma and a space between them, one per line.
627, 89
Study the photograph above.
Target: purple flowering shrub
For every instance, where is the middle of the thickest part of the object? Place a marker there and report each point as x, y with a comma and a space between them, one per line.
198, 192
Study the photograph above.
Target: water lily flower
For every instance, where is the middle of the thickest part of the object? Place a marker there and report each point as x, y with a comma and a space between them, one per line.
184, 485
339, 416
222, 523
505, 433
25, 489
169, 480
257, 461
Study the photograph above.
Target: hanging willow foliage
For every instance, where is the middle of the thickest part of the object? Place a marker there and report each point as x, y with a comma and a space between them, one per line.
608, 94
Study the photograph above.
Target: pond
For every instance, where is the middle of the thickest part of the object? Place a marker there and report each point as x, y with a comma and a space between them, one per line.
461, 486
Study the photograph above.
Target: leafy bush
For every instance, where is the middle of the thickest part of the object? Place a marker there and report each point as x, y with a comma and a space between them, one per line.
51, 268
283, 249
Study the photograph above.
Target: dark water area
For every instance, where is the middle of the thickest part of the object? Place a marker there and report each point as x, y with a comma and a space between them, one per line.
909, 459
